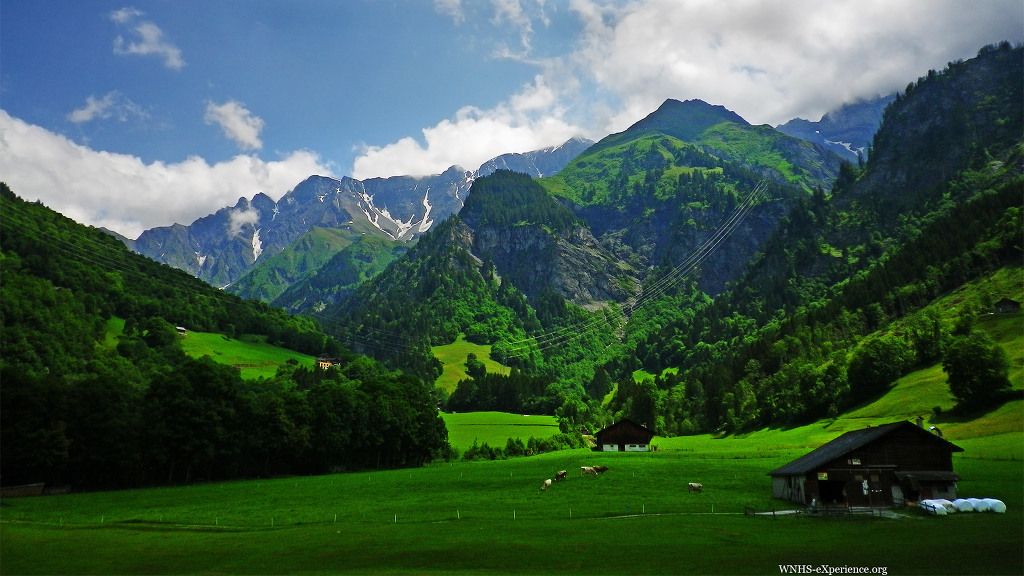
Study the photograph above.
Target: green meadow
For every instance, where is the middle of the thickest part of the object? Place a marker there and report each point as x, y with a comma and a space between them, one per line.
453, 357
253, 357
492, 518
495, 428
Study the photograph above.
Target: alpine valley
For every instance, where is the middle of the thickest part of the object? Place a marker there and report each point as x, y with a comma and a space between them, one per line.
693, 273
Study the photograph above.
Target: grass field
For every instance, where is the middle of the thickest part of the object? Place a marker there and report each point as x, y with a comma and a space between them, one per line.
495, 428
252, 357
453, 357
491, 518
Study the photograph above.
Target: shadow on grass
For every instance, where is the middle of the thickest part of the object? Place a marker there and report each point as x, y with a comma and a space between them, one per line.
960, 413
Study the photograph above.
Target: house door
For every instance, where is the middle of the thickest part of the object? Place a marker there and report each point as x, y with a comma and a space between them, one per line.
832, 491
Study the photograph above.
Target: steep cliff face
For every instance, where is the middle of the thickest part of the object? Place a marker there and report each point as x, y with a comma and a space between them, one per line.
572, 263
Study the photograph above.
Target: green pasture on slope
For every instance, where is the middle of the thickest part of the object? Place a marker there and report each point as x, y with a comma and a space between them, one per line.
453, 357
495, 428
253, 357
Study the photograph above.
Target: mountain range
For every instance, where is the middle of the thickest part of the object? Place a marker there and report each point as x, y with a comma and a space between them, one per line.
222, 247
327, 235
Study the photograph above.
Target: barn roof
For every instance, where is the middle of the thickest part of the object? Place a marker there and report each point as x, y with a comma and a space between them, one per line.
847, 443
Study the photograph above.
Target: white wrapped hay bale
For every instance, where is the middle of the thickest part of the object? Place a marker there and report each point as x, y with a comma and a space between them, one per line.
933, 507
994, 505
963, 505
979, 504
950, 509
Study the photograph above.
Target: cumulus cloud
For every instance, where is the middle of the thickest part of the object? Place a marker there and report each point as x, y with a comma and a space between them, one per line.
470, 139
145, 39
773, 61
237, 123
125, 194
112, 105
767, 61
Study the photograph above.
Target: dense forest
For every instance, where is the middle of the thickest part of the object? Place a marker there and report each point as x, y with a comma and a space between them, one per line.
88, 402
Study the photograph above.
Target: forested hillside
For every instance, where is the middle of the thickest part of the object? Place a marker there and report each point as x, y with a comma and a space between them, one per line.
756, 276
88, 404
803, 333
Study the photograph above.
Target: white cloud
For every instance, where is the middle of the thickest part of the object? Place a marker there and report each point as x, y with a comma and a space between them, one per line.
470, 139
767, 61
451, 8
125, 15
146, 39
237, 123
123, 193
112, 105
240, 217
771, 61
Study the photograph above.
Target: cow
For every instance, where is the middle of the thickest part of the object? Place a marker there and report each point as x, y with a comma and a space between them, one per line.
587, 470
695, 487
560, 475
600, 469
545, 485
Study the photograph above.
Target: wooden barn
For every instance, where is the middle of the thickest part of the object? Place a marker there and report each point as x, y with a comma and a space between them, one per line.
624, 436
884, 465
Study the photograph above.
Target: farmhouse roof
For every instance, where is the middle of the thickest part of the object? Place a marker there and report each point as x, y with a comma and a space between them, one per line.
847, 443
626, 422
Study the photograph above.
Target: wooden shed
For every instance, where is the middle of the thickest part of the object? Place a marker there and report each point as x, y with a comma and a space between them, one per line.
884, 465
624, 436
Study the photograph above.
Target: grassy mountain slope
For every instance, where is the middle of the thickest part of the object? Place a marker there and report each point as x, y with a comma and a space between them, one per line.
347, 268
779, 346
270, 277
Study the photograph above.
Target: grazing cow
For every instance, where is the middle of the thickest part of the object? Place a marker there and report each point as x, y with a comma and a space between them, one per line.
695, 487
560, 475
587, 470
600, 469
545, 485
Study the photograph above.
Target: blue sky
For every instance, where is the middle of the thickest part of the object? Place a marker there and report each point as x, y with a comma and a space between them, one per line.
135, 114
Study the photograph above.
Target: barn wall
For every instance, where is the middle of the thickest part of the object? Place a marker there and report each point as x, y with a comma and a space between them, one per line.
789, 488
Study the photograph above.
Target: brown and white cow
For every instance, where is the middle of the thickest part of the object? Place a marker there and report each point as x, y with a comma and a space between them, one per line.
560, 475
695, 487
587, 470
600, 469
545, 485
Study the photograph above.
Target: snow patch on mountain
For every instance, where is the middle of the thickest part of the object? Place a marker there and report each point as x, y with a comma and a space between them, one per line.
849, 146
425, 224
257, 246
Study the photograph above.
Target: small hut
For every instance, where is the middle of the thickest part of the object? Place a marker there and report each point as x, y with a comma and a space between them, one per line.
877, 466
624, 436
1007, 305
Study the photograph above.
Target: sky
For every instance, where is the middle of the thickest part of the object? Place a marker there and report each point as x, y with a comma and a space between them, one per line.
133, 114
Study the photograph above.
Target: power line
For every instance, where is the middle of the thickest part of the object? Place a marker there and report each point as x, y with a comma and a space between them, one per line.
569, 333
